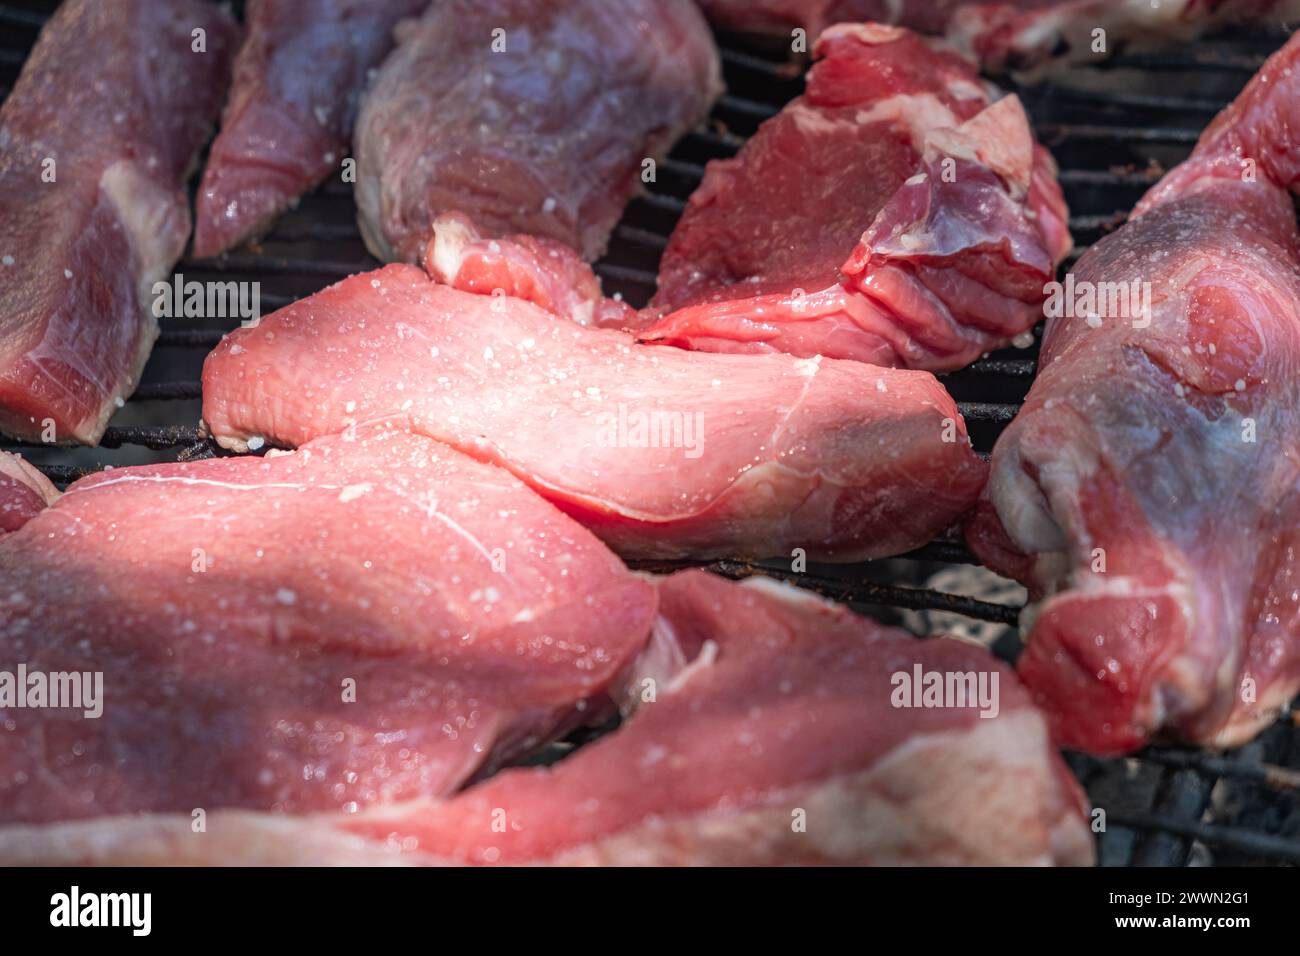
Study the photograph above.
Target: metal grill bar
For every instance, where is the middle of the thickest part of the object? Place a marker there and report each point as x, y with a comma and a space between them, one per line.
1056, 133
26, 18
1134, 101
849, 592
156, 437
1196, 60
1281, 849
1270, 775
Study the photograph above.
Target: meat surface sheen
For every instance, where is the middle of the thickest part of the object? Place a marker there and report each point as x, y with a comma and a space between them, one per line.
896, 214
298, 79
528, 116
663, 453
96, 142
372, 618
779, 743
1147, 492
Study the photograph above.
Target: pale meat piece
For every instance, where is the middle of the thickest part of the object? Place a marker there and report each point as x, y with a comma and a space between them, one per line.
1013, 35
894, 214
373, 618
528, 116
24, 492
663, 453
1148, 493
297, 83
97, 140
544, 272
778, 743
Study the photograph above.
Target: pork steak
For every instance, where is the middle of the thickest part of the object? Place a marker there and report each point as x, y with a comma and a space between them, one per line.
528, 116
779, 743
663, 453
373, 618
896, 214
1148, 492
297, 84
96, 142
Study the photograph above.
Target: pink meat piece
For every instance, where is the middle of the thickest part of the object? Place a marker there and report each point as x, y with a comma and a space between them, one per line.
528, 116
547, 273
1147, 492
785, 710
24, 492
97, 140
231, 604
894, 214
298, 79
778, 744
1011, 35
663, 453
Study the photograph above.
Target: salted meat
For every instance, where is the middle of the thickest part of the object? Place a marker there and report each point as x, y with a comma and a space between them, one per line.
663, 453
97, 140
293, 101
530, 117
373, 618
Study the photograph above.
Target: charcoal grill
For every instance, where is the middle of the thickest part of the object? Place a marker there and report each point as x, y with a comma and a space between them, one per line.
1113, 129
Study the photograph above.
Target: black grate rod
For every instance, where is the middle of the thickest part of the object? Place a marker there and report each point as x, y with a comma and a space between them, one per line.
1235, 838
849, 592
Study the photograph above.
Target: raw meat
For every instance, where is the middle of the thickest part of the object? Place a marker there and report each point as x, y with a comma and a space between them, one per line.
528, 116
663, 453
373, 618
894, 214
1148, 491
298, 79
96, 142
544, 272
1012, 34
24, 492
784, 715
778, 744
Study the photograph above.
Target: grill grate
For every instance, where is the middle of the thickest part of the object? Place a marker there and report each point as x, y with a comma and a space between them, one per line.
1113, 131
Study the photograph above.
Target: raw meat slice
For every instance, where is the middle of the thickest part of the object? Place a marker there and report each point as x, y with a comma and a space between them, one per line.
24, 492
894, 214
1148, 492
661, 452
544, 272
777, 745
298, 79
528, 116
96, 142
780, 744
1012, 34
373, 618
